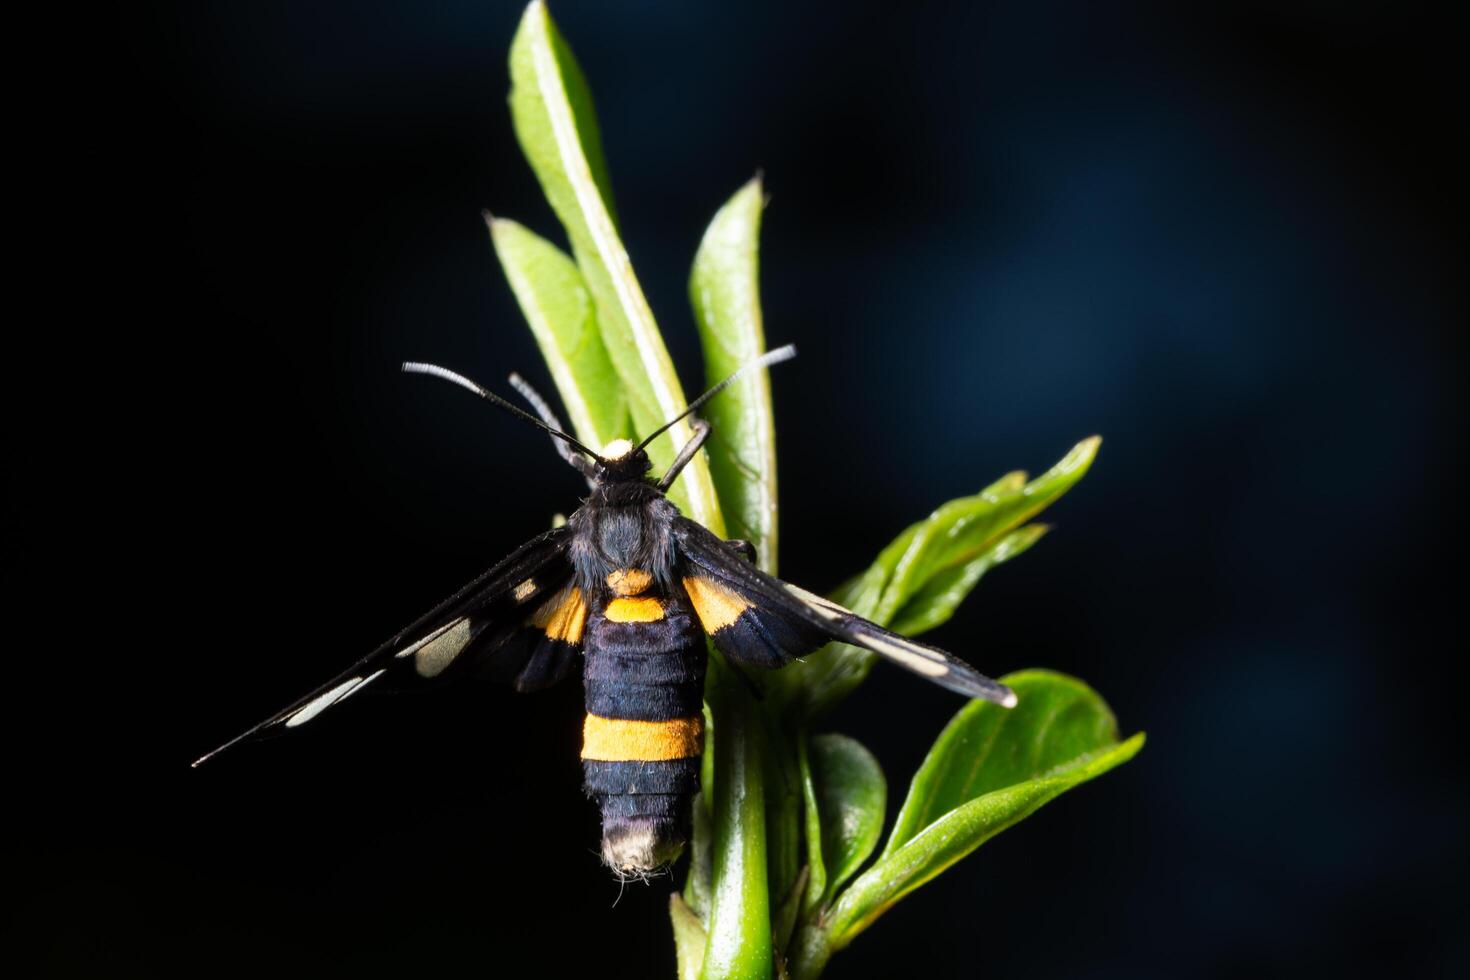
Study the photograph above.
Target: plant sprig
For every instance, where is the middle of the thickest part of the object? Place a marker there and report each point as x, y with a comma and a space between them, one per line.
781, 873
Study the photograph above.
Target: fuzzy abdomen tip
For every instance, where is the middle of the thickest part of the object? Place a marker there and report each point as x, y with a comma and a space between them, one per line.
639, 848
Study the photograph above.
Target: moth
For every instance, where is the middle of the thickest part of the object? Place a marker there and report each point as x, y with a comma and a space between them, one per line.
626, 591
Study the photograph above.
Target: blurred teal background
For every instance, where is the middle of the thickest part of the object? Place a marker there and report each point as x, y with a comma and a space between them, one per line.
1228, 238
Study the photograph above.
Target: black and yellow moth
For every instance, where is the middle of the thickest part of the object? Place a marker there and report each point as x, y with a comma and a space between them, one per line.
628, 589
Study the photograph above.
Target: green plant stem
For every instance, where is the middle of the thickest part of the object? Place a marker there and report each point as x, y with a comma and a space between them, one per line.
739, 925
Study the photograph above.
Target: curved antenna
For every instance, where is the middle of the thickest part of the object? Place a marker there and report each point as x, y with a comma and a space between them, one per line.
770, 357
547, 415
543, 408
434, 370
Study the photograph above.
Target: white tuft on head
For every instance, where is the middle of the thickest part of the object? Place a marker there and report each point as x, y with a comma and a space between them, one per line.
617, 449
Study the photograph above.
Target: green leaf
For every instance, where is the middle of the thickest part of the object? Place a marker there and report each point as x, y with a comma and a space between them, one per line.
816, 864
724, 289
960, 530
739, 926
557, 130
556, 304
990, 769
922, 576
846, 797
1056, 719
567, 95
689, 938
938, 598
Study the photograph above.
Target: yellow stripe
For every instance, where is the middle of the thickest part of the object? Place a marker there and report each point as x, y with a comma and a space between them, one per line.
625, 610
620, 740
563, 616
716, 606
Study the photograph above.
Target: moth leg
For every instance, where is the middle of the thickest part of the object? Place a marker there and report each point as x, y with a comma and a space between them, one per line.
742, 548
579, 462
701, 433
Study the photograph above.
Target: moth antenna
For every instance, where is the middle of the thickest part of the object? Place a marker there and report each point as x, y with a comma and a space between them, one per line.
548, 416
435, 371
534, 398
769, 358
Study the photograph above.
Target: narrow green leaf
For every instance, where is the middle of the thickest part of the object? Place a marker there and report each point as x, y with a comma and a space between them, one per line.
989, 769
739, 927
850, 795
567, 85
938, 598
557, 130
955, 835
689, 938
724, 289
556, 304
1056, 719
1010, 483
921, 577
961, 529
816, 864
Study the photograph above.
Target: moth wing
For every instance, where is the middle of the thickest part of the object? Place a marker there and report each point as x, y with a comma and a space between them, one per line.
471, 626
734, 598
749, 629
544, 649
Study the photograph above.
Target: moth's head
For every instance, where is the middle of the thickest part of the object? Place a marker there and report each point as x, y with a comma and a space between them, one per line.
620, 461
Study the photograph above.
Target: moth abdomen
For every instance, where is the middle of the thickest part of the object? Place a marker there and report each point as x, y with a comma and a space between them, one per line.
643, 775
644, 733
646, 809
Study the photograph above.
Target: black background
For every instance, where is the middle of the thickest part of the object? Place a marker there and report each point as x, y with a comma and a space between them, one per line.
1220, 237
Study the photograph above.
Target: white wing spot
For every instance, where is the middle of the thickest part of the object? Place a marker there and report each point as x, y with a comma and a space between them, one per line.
413, 648
431, 659
525, 590
321, 703
910, 655
822, 607
915, 658
361, 684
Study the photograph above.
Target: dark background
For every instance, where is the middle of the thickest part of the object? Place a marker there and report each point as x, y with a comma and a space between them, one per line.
1220, 237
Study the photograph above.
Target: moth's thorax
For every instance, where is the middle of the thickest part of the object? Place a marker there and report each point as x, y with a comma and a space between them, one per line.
623, 531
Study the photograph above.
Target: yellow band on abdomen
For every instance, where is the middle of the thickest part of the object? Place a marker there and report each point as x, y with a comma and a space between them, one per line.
623, 740
629, 610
